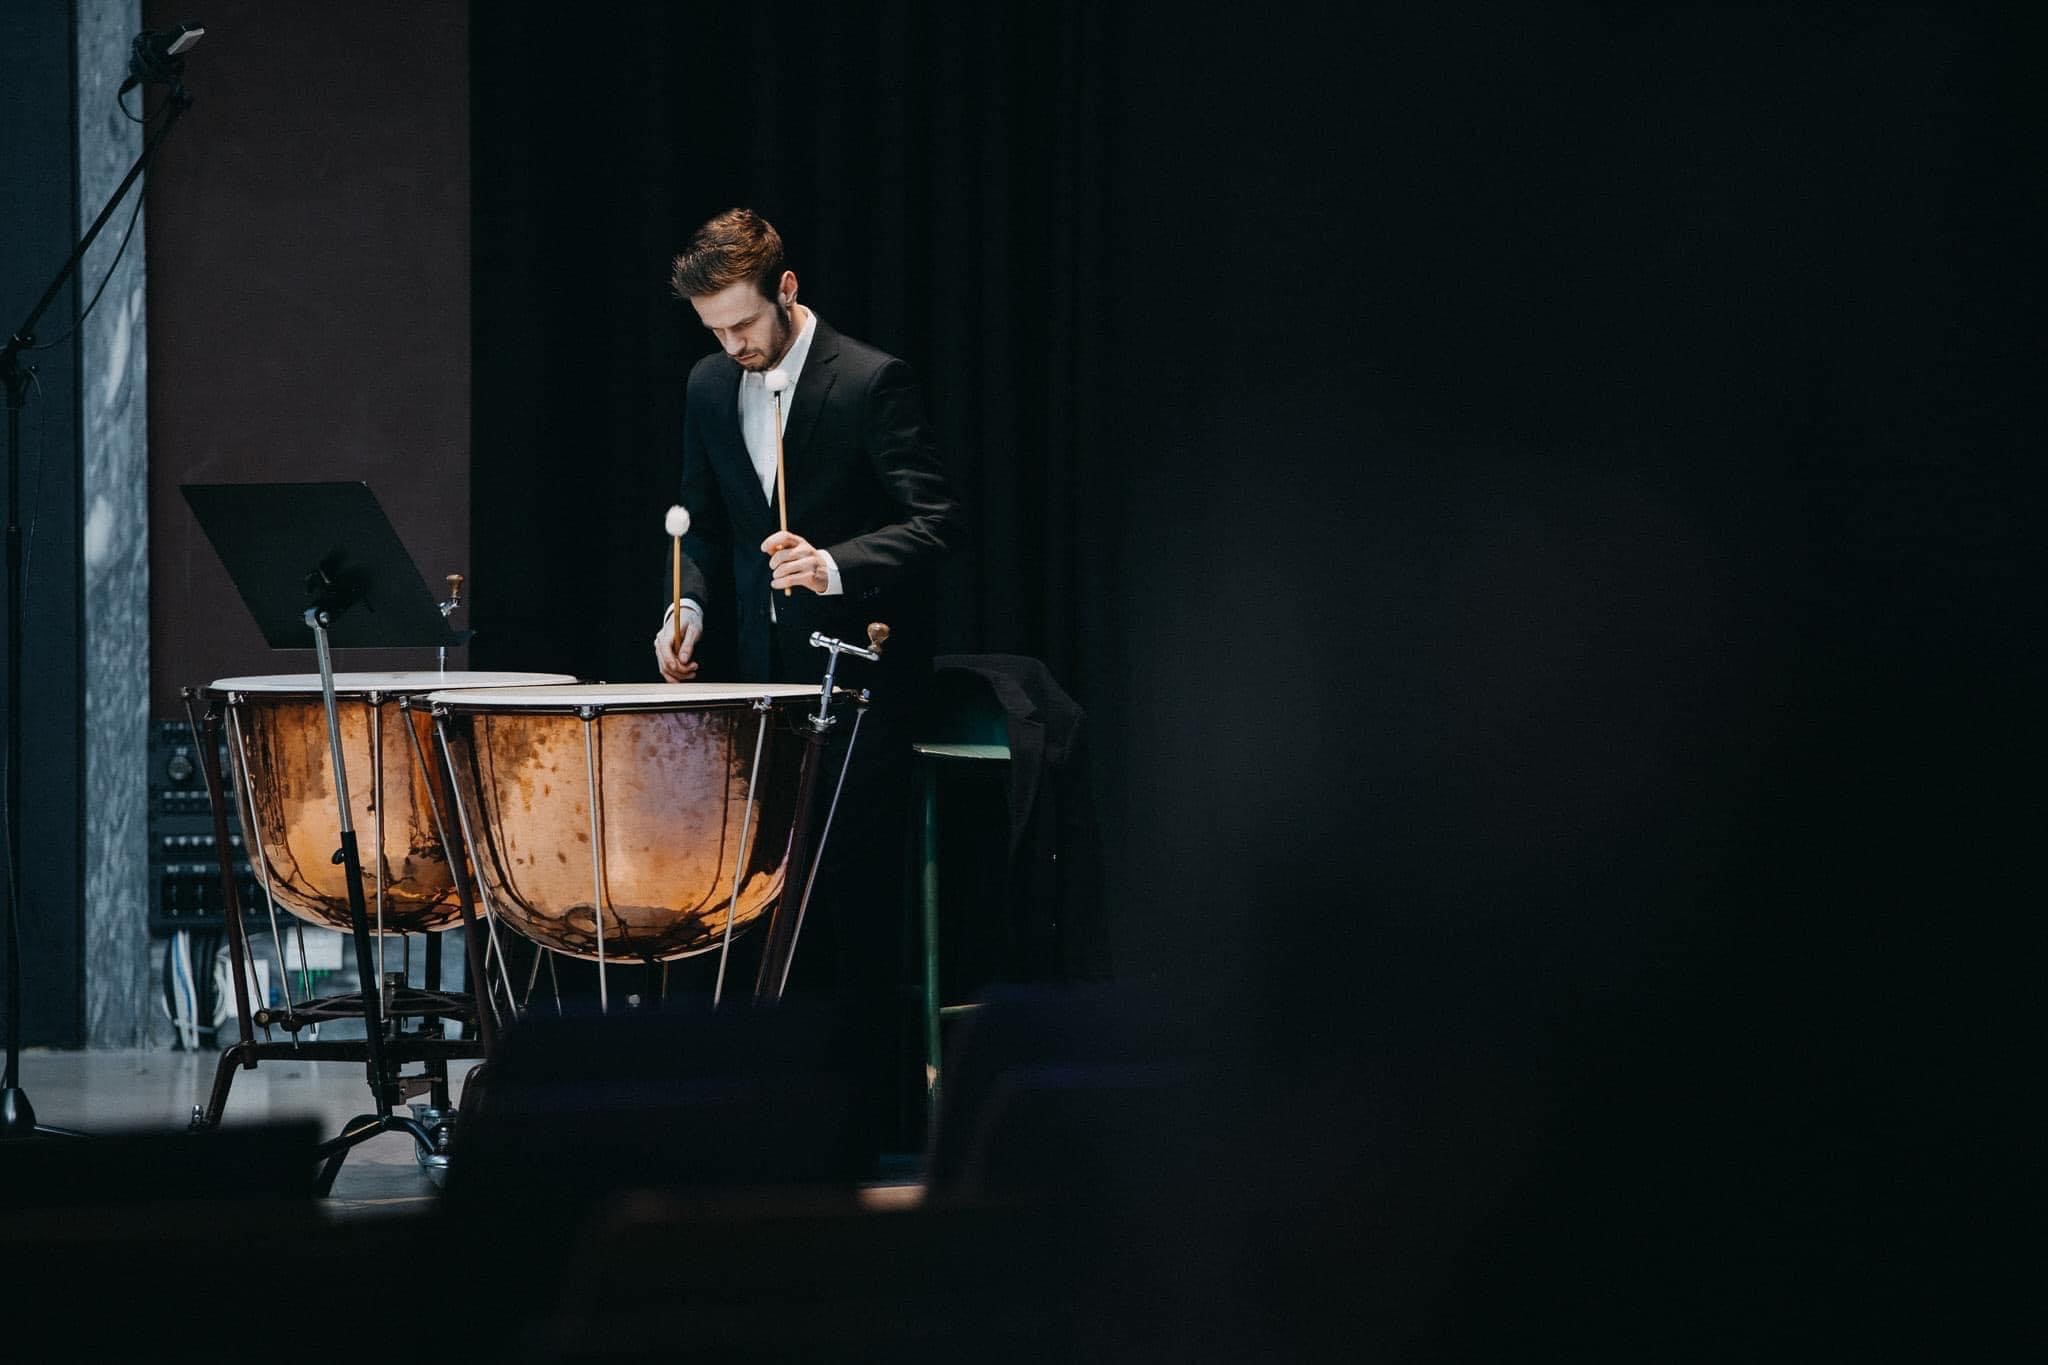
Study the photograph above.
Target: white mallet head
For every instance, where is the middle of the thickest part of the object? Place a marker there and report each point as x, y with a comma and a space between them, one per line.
677, 522
776, 380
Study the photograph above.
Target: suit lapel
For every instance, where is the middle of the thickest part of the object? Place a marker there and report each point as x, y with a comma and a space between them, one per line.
729, 447
821, 370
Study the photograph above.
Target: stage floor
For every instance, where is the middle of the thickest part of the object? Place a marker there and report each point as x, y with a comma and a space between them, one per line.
126, 1091
129, 1090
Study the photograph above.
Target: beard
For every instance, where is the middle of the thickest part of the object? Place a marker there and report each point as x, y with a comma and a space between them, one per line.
778, 345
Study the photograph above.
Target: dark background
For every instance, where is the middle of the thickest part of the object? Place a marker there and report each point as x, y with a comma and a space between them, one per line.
1503, 471
39, 224
1535, 502
1538, 504
308, 237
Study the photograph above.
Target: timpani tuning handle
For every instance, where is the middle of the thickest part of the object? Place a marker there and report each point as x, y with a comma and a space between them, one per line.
878, 634
454, 594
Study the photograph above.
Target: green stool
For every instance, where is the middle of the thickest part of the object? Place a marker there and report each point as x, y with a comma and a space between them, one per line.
966, 727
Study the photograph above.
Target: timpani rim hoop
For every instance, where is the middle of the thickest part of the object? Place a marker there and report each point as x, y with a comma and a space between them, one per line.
620, 697
363, 684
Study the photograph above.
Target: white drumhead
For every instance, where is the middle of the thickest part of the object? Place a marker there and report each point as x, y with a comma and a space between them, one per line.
357, 684
622, 695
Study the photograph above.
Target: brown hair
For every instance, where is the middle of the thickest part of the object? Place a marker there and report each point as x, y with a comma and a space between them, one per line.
737, 245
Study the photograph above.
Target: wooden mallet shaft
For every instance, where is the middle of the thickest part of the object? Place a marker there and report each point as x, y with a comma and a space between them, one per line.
677, 524
781, 483
676, 583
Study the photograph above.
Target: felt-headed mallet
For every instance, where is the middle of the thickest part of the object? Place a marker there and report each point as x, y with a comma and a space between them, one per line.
677, 524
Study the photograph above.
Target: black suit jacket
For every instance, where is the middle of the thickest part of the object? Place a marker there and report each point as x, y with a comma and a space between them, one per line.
864, 483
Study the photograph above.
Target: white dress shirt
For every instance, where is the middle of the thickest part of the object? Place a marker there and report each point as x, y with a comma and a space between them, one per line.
757, 405
758, 415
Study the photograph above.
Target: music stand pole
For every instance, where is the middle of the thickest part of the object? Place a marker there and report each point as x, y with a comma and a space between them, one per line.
352, 865
17, 1115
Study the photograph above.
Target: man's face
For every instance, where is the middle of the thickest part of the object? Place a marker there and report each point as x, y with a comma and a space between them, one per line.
754, 331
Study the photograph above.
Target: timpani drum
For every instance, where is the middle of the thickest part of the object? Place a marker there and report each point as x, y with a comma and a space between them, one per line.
282, 767
627, 822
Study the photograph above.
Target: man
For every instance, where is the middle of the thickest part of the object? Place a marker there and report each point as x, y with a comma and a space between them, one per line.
870, 515
870, 510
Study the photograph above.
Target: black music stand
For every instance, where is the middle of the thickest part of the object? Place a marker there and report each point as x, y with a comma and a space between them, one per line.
319, 565
293, 547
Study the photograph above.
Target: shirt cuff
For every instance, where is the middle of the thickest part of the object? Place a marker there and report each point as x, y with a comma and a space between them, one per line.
690, 606
833, 587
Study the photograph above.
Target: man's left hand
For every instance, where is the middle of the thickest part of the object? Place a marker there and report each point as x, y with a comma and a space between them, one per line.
795, 562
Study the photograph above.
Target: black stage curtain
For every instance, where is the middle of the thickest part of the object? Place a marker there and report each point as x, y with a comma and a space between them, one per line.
1535, 499
941, 176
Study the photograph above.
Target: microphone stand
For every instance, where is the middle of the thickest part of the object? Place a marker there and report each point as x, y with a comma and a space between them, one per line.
17, 1115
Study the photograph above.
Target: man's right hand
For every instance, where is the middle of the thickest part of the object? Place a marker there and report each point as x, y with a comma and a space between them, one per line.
678, 662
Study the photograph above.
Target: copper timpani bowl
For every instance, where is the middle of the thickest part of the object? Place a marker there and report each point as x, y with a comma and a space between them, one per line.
282, 769
615, 821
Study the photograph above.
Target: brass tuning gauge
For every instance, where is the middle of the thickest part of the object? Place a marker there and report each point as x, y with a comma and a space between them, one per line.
877, 632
